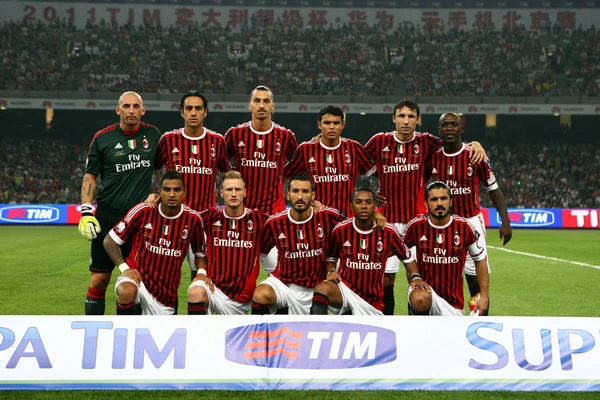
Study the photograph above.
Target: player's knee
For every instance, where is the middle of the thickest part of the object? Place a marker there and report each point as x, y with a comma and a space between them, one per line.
100, 280
197, 294
264, 294
324, 288
127, 292
420, 301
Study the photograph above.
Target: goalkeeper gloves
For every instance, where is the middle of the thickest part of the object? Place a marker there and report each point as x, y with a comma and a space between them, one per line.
88, 224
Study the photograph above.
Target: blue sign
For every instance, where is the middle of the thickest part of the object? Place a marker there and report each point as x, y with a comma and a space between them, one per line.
310, 345
33, 214
528, 218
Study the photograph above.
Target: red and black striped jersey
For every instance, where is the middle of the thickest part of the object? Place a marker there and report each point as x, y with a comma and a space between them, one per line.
261, 157
441, 252
463, 178
159, 245
400, 168
198, 159
300, 245
334, 170
232, 248
363, 256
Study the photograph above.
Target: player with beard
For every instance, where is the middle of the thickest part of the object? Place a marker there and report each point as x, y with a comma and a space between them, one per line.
159, 237
300, 235
441, 242
233, 234
358, 286
452, 165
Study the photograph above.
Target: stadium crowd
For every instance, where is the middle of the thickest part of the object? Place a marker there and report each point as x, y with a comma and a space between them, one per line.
542, 176
298, 60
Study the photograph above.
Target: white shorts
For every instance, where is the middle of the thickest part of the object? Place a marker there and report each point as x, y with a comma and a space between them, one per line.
394, 262
297, 299
439, 306
150, 306
219, 303
354, 303
270, 261
479, 224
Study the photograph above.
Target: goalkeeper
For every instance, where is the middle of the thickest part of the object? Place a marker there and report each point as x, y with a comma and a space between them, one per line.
122, 155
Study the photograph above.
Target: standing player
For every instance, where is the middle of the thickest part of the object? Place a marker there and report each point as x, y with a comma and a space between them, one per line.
260, 149
300, 235
159, 237
333, 163
233, 234
123, 156
452, 165
358, 286
195, 152
441, 242
401, 158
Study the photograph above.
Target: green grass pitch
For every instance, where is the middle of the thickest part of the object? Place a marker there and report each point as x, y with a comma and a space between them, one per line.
44, 271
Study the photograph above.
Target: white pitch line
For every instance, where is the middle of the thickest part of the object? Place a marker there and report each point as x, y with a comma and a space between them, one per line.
544, 257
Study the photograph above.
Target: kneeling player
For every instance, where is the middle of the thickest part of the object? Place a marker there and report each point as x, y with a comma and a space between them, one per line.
358, 287
160, 238
232, 233
300, 235
441, 242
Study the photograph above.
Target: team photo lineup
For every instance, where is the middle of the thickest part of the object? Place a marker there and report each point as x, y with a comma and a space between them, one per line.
355, 214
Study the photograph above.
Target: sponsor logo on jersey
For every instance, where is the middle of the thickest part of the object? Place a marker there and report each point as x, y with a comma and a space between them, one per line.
184, 234
379, 246
145, 143
434, 171
423, 239
347, 158
417, 149
320, 232
311, 160
28, 214
456, 240
310, 345
148, 226
175, 150
278, 147
118, 146
213, 152
469, 171
528, 217
281, 236
386, 149
250, 225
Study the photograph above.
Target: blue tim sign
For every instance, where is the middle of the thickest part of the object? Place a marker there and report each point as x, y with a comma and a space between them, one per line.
310, 345
33, 214
528, 218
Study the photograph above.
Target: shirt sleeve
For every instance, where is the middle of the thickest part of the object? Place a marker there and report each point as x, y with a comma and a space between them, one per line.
161, 154
197, 239
125, 228
296, 164
399, 249
93, 163
332, 251
223, 159
477, 247
291, 147
266, 242
366, 166
486, 175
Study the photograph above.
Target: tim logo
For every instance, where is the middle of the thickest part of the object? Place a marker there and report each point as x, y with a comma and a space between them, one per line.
29, 214
310, 345
529, 217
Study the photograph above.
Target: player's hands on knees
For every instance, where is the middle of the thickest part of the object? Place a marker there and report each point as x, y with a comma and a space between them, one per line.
334, 277
207, 281
420, 284
505, 233
379, 221
317, 205
482, 305
152, 200
134, 275
478, 153
89, 227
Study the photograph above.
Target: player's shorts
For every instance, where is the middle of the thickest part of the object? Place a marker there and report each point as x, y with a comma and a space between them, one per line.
394, 262
150, 306
297, 299
439, 306
479, 224
219, 303
100, 260
354, 303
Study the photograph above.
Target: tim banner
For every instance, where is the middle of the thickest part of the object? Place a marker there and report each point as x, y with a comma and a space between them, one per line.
300, 352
